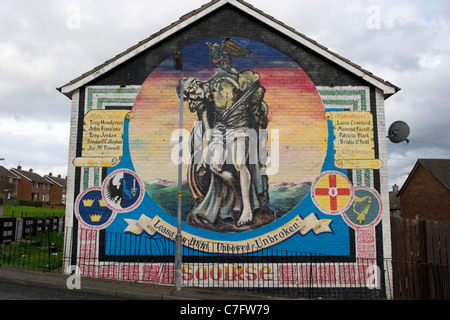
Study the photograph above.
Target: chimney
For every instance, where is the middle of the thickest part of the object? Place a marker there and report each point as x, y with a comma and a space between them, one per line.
19, 167
59, 176
31, 170
395, 188
50, 174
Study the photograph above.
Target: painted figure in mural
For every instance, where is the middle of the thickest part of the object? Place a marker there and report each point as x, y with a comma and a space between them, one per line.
227, 180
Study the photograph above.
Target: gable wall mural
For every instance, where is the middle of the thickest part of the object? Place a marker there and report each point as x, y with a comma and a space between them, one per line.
272, 164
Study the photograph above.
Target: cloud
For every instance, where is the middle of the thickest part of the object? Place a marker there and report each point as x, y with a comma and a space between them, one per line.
50, 42
34, 144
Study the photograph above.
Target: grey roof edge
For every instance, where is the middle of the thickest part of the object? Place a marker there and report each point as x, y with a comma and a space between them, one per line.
436, 167
7, 173
32, 176
388, 88
59, 181
422, 161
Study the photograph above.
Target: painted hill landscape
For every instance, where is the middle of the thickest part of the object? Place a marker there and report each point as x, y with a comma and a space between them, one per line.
283, 196
286, 196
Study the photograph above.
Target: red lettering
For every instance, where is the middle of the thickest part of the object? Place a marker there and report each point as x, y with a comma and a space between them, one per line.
215, 275
205, 273
265, 271
186, 274
233, 276
227, 273
253, 274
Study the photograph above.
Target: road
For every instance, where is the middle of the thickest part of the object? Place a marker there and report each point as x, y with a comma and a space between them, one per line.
12, 291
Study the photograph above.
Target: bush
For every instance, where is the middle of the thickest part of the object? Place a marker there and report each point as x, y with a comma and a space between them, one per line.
30, 203
11, 202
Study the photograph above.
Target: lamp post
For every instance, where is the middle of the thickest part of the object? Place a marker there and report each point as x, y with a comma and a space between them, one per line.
178, 64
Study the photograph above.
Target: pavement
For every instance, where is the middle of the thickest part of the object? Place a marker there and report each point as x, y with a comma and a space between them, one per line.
119, 289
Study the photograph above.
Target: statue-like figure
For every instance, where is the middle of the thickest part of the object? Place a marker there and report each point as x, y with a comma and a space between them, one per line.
227, 179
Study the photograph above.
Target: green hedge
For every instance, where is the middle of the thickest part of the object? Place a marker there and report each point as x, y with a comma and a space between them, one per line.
23, 203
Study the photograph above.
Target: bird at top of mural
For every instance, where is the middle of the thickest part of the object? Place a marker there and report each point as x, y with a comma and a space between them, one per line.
222, 56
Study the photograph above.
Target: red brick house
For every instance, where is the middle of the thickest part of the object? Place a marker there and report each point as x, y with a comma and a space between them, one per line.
58, 189
32, 186
425, 195
8, 184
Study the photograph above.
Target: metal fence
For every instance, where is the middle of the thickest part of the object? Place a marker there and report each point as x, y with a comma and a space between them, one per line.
7, 230
127, 257
31, 243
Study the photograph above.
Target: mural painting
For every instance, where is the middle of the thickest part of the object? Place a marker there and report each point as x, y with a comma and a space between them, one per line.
270, 160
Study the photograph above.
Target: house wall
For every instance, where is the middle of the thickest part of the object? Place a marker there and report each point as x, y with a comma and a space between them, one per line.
424, 197
7, 185
56, 196
326, 178
24, 189
57, 192
27, 188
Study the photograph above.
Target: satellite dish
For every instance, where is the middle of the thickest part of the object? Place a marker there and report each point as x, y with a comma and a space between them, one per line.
398, 132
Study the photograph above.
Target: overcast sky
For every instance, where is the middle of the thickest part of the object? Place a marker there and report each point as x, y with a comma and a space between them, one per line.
46, 43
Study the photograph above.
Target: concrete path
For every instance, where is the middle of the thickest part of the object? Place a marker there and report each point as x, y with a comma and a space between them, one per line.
119, 289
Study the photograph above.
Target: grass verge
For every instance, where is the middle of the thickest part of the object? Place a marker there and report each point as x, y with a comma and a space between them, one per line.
18, 212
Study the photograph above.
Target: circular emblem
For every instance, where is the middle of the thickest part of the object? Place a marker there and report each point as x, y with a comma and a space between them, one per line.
332, 192
365, 209
122, 190
91, 211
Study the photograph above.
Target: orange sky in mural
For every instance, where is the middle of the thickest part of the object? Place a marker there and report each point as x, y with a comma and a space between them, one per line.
295, 109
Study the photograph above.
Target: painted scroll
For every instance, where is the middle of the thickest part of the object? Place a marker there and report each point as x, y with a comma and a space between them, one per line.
103, 138
354, 143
